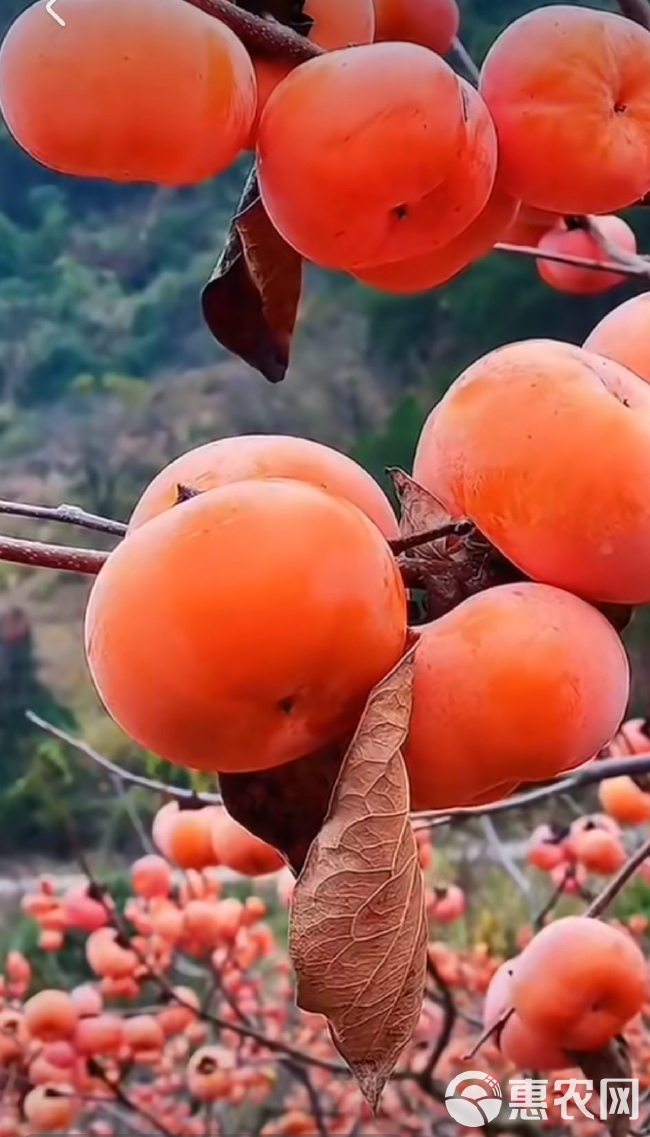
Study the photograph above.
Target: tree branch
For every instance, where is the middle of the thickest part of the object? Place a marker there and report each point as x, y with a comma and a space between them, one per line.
67, 514
636, 266
261, 36
35, 554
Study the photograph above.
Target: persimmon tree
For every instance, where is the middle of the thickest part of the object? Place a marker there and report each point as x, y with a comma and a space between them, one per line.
353, 679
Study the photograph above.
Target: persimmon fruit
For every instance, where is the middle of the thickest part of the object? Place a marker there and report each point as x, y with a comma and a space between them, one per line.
624, 335
50, 1015
519, 682
431, 23
433, 269
246, 456
554, 75
578, 242
336, 123
156, 91
623, 800
240, 851
247, 593
588, 533
579, 981
525, 1047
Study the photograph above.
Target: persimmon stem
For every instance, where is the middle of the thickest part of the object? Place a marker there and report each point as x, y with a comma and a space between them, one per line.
454, 529
261, 36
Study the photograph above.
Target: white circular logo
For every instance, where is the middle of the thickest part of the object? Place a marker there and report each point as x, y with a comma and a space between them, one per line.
473, 1105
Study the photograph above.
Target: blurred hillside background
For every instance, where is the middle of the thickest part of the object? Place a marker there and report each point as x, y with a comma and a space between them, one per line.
107, 372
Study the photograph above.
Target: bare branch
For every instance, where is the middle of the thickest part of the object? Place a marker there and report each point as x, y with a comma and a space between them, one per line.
636, 266
125, 776
454, 529
465, 60
67, 514
618, 882
261, 36
35, 554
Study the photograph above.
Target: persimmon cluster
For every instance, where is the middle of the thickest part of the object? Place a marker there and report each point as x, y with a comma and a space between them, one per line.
167, 93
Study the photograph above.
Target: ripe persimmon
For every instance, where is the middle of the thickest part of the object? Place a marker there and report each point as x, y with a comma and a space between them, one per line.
151, 876
156, 91
420, 273
589, 533
248, 593
623, 800
579, 981
248, 456
546, 848
598, 851
519, 682
340, 23
624, 335
50, 1109
632, 738
529, 226
209, 1073
337, 23
555, 74
431, 23
336, 123
525, 1047
578, 242
50, 1015
237, 849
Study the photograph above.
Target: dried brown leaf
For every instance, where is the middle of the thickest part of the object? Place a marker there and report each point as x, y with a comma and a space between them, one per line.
448, 570
250, 304
358, 937
285, 806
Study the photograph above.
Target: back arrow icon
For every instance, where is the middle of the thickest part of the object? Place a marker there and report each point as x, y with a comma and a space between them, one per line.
55, 15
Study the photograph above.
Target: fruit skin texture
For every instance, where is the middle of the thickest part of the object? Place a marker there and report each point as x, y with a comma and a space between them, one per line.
336, 123
579, 982
554, 75
237, 459
237, 849
578, 243
509, 473
521, 681
529, 226
148, 92
431, 23
218, 634
624, 335
527, 1048
420, 273
340, 23
337, 23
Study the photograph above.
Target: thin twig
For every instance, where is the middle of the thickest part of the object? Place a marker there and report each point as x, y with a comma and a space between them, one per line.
639, 267
115, 771
260, 35
67, 514
453, 529
618, 882
35, 554
504, 858
466, 61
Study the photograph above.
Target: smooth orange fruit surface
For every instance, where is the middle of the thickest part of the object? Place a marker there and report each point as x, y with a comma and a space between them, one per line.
237, 849
529, 226
153, 91
420, 273
579, 981
559, 76
579, 243
341, 23
267, 456
527, 1048
546, 447
624, 335
326, 153
518, 683
432, 23
247, 627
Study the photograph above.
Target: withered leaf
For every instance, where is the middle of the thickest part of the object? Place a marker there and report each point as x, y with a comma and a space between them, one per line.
285, 806
358, 937
250, 304
454, 568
